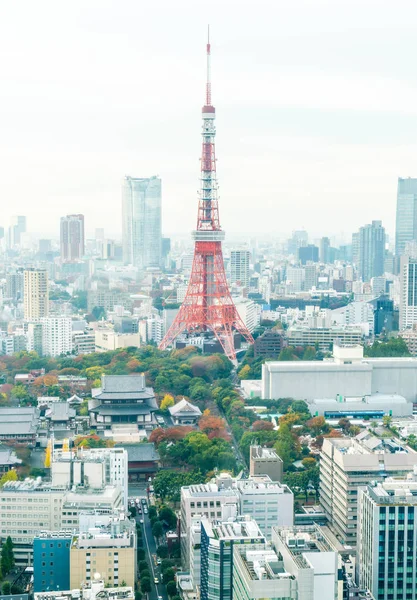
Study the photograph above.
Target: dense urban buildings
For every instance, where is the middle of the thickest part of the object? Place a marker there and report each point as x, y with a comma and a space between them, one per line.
72, 238
142, 237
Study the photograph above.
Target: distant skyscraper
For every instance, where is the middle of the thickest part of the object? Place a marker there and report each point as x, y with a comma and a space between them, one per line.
355, 248
141, 206
371, 250
17, 227
72, 237
239, 266
324, 249
308, 253
36, 294
408, 291
406, 220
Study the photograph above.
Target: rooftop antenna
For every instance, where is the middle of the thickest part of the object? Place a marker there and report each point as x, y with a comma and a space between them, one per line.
208, 84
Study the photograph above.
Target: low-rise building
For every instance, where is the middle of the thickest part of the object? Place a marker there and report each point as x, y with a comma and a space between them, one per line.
96, 590
143, 461
265, 461
269, 344
19, 424
51, 561
8, 460
184, 413
323, 337
374, 406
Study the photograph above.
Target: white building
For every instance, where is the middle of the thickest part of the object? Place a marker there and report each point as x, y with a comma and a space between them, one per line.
348, 375
355, 313
56, 335
95, 467
348, 463
311, 559
108, 339
408, 292
96, 589
239, 266
155, 329
295, 279
248, 312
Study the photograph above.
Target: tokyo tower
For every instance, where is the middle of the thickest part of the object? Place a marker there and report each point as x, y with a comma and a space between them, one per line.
208, 305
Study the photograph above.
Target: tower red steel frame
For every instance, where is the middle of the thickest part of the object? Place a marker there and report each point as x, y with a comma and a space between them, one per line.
208, 304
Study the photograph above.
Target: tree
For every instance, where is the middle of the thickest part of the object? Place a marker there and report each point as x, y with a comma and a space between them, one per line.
166, 564
244, 372
168, 575
6, 588
308, 462
299, 406
262, 425
171, 588
167, 515
162, 551
317, 425
387, 421
167, 402
133, 511
9, 476
140, 554
157, 530
152, 512
143, 566
145, 585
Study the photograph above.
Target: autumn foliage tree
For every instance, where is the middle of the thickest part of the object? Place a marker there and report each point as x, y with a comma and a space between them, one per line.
213, 426
262, 425
167, 402
170, 434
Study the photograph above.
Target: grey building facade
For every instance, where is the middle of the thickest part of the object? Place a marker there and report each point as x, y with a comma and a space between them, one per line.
406, 216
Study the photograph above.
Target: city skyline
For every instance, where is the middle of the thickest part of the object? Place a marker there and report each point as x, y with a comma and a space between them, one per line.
349, 137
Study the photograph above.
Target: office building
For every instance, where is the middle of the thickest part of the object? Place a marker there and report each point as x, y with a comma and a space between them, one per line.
109, 550
310, 277
324, 250
269, 344
51, 561
15, 285
17, 227
83, 342
385, 319
95, 467
265, 461
56, 336
371, 250
348, 463
406, 217
204, 500
239, 267
36, 294
72, 238
248, 312
387, 533
355, 248
408, 292
324, 337
309, 253
307, 554
94, 590
142, 238
34, 338
217, 543
107, 339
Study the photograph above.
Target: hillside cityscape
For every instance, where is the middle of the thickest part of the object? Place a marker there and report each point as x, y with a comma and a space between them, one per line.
207, 417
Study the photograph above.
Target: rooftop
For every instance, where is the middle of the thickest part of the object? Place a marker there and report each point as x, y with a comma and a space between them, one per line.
142, 452
240, 528
298, 540
262, 563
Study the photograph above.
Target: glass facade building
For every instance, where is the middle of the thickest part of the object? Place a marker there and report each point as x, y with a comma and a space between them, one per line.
371, 250
141, 227
406, 218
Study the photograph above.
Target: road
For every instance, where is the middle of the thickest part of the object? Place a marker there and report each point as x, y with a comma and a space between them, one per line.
157, 590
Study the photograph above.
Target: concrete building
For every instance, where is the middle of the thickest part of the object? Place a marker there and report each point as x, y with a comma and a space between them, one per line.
324, 337
324, 249
96, 590
265, 461
349, 375
374, 406
309, 253
387, 532
269, 344
217, 543
371, 250
104, 501
410, 338
56, 336
108, 339
309, 557
72, 238
141, 234
95, 468
348, 463
203, 500
51, 561
248, 312
83, 342
408, 292
36, 294
109, 550
259, 573
239, 267
406, 217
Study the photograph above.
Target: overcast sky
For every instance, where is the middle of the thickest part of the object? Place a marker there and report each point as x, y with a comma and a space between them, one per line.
316, 109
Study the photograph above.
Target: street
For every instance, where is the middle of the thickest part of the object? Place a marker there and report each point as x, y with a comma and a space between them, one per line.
157, 590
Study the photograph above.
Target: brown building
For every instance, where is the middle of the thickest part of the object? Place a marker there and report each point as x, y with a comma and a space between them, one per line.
143, 461
269, 344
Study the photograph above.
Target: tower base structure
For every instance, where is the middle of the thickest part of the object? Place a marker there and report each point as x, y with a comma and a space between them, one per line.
208, 305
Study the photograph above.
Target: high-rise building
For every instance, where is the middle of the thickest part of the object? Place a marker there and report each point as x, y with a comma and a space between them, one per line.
408, 292
406, 218
15, 285
324, 249
217, 542
36, 294
56, 335
347, 464
72, 237
371, 250
239, 266
387, 533
307, 253
17, 227
141, 213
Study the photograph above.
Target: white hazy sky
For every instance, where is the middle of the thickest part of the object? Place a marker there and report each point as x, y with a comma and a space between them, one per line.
316, 109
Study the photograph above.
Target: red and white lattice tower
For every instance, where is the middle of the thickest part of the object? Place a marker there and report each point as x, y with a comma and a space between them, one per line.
208, 304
